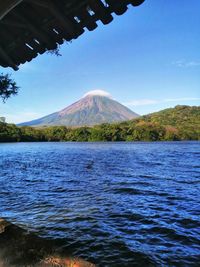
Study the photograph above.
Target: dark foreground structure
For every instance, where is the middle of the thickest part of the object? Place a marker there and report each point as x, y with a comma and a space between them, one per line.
19, 248
32, 27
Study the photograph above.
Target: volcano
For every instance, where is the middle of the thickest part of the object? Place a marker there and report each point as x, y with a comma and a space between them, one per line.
95, 107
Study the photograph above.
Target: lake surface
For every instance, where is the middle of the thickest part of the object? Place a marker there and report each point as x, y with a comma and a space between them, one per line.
115, 204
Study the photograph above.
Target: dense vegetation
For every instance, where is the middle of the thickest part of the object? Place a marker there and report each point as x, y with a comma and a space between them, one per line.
179, 123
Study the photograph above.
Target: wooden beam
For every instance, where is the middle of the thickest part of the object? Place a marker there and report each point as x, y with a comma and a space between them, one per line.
68, 25
8, 60
13, 23
101, 11
41, 3
55, 9
6, 6
35, 29
45, 4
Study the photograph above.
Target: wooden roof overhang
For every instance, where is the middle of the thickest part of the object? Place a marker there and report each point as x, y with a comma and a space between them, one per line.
32, 27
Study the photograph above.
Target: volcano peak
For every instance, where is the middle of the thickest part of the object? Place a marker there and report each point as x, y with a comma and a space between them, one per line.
98, 92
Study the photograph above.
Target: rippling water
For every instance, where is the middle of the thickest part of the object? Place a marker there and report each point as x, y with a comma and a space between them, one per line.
115, 204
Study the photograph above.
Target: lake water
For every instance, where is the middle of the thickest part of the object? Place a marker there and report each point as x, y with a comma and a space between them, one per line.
115, 204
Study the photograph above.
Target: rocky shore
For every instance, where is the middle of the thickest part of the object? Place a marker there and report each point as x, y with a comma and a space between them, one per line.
20, 248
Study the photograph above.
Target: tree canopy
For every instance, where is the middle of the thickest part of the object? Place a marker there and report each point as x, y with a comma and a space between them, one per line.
8, 87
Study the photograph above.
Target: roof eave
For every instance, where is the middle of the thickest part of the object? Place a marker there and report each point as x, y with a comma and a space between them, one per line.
7, 6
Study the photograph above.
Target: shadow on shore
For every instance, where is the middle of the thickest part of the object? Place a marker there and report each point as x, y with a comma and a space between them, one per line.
19, 248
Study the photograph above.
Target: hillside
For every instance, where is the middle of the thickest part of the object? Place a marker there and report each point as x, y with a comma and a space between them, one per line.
180, 120
179, 123
180, 116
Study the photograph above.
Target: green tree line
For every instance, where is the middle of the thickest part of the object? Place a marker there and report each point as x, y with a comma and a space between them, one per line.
179, 123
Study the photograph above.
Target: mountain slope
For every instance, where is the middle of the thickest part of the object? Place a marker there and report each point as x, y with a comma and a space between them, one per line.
181, 116
90, 110
181, 123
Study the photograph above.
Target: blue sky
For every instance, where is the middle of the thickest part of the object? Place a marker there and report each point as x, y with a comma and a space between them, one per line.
148, 59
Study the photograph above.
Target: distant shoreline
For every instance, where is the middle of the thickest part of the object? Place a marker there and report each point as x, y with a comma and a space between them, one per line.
181, 123
100, 142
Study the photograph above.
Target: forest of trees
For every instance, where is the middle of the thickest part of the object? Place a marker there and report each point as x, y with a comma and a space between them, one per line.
179, 123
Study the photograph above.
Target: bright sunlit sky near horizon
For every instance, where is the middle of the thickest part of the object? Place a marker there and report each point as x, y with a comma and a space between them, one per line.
147, 59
